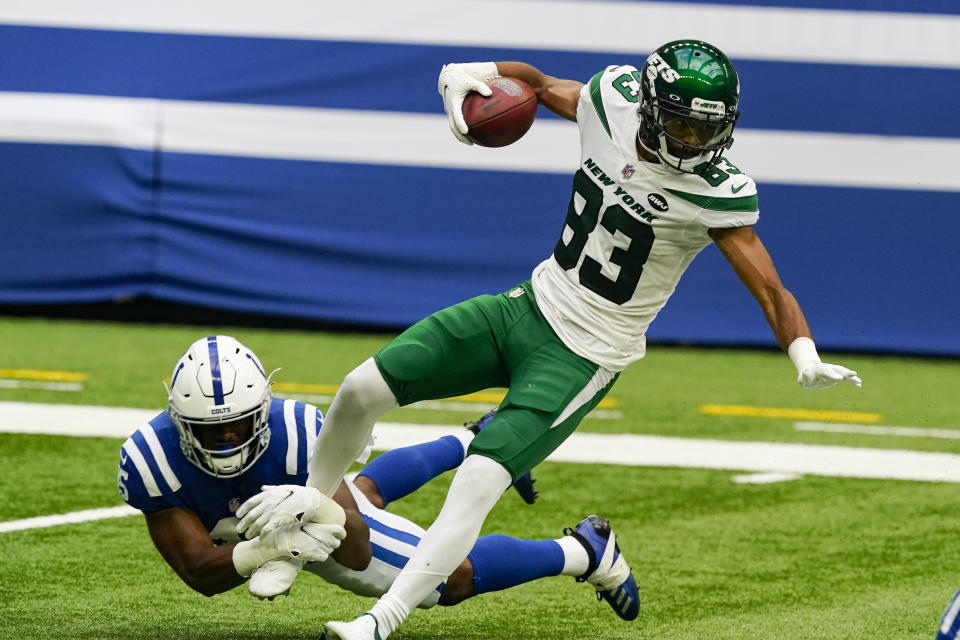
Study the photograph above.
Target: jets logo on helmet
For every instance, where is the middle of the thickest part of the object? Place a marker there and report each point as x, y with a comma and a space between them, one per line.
657, 66
689, 104
219, 400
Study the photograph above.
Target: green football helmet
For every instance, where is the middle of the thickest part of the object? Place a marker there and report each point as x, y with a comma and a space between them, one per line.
691, 94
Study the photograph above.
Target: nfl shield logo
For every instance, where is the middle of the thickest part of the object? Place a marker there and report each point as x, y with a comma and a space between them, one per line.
234, 504
516, 293
627, 171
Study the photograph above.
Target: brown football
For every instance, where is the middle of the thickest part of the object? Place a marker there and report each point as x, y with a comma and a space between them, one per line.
504, 116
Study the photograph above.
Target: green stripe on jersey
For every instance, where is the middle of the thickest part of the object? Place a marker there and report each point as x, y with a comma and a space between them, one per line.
746, 203
598, 101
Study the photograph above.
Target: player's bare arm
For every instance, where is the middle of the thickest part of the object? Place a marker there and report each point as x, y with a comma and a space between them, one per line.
354, 552
187, 547
557, 94
742, 248
184, 543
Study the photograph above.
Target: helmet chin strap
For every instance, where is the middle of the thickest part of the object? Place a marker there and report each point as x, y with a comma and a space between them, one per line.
228, 464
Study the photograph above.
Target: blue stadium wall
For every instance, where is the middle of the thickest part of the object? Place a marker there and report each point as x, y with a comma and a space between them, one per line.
294, 159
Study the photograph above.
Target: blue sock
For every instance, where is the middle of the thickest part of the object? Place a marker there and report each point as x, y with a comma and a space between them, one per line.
400, 472
500, 562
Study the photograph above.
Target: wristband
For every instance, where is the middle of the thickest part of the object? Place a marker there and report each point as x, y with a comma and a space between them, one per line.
250, 554
803, 353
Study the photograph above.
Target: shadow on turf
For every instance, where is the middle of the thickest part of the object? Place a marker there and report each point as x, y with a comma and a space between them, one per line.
205, 632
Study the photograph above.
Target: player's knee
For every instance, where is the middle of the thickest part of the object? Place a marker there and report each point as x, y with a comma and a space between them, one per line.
459, 586
482, 477
365, 387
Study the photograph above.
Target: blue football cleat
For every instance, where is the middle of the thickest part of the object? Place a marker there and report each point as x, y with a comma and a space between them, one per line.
608, 571
523, 484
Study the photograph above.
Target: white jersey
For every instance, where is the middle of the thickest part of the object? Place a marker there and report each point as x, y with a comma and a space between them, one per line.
632, 228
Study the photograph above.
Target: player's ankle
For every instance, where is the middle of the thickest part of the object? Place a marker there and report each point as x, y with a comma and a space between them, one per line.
389, 612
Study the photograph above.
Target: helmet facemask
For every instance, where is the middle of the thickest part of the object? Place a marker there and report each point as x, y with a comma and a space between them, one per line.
685, 137
198, 440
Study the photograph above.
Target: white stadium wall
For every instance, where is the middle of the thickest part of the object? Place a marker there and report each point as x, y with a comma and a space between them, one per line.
293, 158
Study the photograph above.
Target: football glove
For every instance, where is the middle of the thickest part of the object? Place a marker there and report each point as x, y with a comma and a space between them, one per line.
310, 541
285, 504
821, 375
248, 555
813, 374
458, 80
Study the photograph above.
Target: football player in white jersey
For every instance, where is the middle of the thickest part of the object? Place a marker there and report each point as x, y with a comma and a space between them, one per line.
192, 468
653, 188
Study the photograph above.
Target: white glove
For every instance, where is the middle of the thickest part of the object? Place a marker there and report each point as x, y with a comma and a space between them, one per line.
812, 373
309, 541
821, 375
458, 80
248, 555
285, 504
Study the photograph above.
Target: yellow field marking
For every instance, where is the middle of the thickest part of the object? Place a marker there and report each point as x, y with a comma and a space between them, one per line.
746, 411
305, 387
480, 397
496, 397
41, 374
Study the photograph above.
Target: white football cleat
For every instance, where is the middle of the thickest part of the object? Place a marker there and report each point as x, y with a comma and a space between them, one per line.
363, 628
274, 578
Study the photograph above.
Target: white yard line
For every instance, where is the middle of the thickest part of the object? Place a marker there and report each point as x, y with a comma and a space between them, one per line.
765, 461
41, 384
765, 478
68, 518
876, 430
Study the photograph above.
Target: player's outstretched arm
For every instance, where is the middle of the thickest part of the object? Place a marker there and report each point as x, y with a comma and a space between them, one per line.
457, 80
752, 263
557, 94
184, 543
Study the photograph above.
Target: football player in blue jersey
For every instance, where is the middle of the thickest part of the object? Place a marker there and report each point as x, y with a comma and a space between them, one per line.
950, 621
193, 469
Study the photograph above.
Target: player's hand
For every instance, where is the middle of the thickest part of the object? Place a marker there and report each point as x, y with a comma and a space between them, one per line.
309, 541
458, 80
285, 504
823, 376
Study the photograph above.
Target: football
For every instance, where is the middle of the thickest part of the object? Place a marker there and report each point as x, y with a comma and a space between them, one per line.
502, 117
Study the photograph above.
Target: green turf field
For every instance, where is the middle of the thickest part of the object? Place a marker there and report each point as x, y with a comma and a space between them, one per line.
811, 558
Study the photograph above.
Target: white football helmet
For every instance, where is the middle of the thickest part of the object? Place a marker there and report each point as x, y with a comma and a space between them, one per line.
218, 384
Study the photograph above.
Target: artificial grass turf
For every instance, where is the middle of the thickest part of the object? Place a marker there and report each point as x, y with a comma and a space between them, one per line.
812, 558
662, 394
